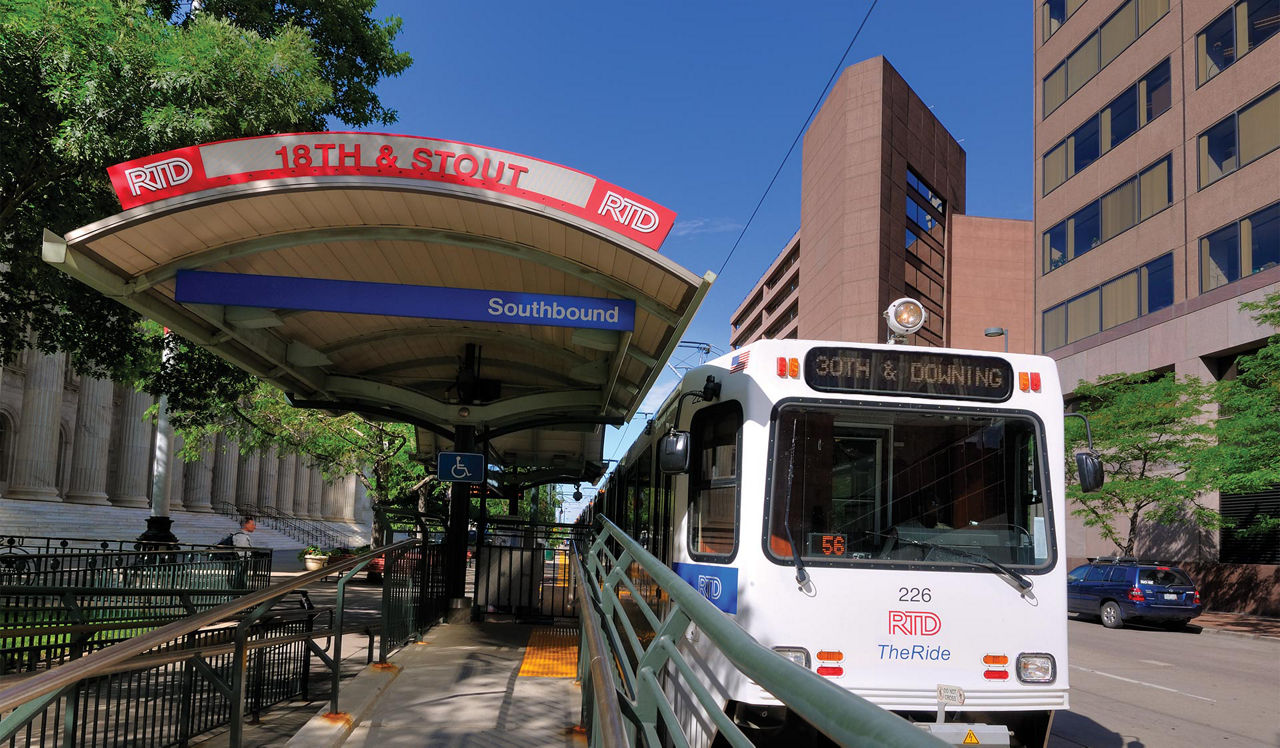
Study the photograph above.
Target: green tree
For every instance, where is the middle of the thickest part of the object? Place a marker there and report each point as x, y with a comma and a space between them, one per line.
1150, 434
380, 454
87, 84
1247, 456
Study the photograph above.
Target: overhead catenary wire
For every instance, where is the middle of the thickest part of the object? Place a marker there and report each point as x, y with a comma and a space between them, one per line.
803, 126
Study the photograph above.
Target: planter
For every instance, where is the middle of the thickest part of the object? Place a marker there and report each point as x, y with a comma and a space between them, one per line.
314, 563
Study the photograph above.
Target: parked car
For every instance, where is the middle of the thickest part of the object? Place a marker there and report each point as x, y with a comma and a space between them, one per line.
1118, 590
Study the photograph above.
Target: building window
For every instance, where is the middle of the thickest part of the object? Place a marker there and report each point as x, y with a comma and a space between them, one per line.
713, 510
1083, 145
1132, 109
1157, 92
919, 216
1243, 248
917, 184
1086, 229
1231, 35
1100, 48
1118, 32
1240, 139
1132, 201
1054, 13
1126, 297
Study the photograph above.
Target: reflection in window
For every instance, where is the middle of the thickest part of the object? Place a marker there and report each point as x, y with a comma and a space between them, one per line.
1086, 229
1099, 48
1085, 145
1216, 46
853, 486
1241, 138
917, 184
1055, 246
1233, 34
1132, 109
1248, 246
713, 492
1126, 297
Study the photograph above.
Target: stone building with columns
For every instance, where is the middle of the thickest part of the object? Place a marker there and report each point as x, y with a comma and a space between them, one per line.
77, 441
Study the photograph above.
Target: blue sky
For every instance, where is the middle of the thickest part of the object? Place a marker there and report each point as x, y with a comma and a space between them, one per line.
694, 104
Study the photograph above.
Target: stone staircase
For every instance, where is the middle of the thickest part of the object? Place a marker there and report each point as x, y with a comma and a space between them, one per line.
59, 520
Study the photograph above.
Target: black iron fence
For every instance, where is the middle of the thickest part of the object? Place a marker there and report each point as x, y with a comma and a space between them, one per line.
61, 598
208, 669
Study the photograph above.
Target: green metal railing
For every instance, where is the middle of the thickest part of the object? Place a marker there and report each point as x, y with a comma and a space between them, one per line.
642, 609
164, 686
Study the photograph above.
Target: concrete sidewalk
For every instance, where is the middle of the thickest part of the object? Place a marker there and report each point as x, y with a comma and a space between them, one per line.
459, 687
1218, 622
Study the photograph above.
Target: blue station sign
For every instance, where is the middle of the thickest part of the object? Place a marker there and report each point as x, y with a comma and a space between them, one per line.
460, 467
400, 300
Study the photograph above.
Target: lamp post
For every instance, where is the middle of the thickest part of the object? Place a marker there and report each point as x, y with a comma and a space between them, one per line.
998, 332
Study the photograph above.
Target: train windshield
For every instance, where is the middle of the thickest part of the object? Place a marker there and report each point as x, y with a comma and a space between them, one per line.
891, 487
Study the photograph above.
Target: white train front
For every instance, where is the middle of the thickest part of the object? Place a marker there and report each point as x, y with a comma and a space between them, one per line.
890, 516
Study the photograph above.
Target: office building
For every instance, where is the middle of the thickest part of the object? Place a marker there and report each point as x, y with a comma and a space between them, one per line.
1157, 208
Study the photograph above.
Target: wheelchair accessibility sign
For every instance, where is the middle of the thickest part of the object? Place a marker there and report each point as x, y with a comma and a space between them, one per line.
460, 467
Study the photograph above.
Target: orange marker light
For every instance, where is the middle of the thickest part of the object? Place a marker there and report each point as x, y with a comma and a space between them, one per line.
782, 367
794, 367
995, 660
830, 655
1024, 381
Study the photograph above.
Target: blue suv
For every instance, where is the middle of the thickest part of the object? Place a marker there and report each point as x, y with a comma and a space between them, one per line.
1124, 589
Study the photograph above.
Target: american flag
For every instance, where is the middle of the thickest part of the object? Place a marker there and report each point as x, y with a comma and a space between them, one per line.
739, 362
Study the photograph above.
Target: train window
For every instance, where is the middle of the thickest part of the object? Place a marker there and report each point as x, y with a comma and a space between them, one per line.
867, 485
713, 491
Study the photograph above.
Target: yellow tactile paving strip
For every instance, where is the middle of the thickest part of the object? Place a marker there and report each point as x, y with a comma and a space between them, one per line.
552, 652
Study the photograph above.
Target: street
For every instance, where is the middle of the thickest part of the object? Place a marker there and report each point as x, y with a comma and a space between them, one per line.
1141, 687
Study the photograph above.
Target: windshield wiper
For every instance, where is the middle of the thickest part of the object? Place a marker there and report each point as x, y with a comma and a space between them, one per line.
802, 576
1016, 580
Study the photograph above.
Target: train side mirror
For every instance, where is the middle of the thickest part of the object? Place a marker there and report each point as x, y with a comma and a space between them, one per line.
1089, 468
673, 453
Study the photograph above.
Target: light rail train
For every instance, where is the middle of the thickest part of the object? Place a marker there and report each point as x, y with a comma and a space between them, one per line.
889, 516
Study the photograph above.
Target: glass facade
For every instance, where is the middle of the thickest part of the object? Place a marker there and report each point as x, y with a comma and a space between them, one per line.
1126, 297
1130, 21
1123, 207
1239, 249
1240, 138
1230, 36
1137, 105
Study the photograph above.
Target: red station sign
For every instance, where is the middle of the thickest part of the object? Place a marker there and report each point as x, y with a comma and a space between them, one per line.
304, 157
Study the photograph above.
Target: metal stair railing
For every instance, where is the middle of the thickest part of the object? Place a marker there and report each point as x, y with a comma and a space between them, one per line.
65, 705
648, 666
302, 530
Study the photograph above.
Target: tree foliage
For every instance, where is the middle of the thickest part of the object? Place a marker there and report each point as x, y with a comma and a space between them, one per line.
88, 84
1150, 434
1247, 458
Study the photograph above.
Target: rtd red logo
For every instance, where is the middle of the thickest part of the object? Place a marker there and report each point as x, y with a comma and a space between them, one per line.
628, 212
914, 622
158, 176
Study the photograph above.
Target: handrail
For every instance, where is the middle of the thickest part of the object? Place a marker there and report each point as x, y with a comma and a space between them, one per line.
607, 718
65, 675
852, 721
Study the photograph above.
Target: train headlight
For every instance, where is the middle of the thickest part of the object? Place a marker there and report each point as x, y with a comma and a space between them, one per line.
798, 655
1037, 668
905, 316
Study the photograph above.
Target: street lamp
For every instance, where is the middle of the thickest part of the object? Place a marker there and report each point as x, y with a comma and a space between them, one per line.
998, 332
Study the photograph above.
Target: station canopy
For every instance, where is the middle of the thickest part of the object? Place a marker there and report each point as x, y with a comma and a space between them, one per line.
432, 282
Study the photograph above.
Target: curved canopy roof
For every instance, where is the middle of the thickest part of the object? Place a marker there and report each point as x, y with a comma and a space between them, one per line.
437, 283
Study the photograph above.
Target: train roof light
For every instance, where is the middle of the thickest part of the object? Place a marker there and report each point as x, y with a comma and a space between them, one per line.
904, 316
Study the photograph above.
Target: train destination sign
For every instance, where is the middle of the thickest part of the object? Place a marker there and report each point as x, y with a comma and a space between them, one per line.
402, 300
308, 158
908, 372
